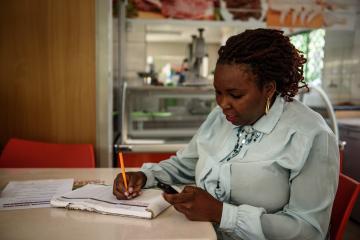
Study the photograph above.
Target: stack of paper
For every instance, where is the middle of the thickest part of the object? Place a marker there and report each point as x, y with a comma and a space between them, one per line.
33, 194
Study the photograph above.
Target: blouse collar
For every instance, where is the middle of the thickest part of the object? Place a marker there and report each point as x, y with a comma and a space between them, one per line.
267, 122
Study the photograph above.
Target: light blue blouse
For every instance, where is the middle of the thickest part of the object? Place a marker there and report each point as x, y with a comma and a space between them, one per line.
277, 178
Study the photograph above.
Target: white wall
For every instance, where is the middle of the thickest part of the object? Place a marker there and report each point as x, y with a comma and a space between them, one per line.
341, 73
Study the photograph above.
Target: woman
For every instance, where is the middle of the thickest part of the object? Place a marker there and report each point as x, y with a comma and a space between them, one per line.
264, 164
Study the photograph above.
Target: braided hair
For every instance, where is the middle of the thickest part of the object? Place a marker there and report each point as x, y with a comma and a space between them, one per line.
270, 55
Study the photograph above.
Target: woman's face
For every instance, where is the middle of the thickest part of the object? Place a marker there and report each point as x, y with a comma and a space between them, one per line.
237, 93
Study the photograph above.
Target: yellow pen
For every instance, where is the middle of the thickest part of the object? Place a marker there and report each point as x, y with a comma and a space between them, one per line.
123, 169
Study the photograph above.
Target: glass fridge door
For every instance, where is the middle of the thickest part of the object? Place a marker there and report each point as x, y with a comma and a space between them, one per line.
155, 114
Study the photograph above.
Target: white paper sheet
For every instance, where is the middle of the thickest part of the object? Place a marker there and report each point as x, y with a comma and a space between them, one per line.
33, 194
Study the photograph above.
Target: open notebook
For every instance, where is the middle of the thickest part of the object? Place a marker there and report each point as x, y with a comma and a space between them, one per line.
99, 198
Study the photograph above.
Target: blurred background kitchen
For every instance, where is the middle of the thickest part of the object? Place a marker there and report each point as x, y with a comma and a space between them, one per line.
137, 75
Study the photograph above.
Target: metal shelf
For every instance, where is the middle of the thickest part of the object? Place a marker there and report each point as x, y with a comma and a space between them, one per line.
170, 118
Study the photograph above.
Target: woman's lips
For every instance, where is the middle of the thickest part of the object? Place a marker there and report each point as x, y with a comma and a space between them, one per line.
231, 118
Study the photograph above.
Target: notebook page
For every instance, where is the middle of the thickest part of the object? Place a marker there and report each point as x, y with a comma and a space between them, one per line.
101, 199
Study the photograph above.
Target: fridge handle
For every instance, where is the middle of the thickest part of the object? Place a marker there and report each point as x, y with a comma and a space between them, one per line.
123, 148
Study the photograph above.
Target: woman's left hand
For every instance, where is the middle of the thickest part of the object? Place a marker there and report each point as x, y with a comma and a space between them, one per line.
196, 204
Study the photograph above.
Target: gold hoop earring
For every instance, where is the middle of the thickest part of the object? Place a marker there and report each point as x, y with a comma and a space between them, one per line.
267, 107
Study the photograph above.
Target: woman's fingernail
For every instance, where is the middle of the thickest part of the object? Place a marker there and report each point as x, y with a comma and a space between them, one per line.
126, 194
131, 189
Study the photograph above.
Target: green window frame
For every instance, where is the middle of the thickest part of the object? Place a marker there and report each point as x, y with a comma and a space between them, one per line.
311, 44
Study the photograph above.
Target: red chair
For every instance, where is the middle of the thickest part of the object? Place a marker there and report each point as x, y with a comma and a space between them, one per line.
20, 153
344, 202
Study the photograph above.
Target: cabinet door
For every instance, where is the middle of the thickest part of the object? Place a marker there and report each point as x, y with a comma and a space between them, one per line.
47, 71
137, 159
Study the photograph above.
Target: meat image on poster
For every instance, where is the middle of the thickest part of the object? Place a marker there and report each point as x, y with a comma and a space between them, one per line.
242, 9
310, 13
176, 9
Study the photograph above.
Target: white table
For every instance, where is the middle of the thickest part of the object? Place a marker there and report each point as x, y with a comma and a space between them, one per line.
56, 223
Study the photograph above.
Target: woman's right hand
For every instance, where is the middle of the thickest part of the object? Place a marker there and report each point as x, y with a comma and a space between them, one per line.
135, 181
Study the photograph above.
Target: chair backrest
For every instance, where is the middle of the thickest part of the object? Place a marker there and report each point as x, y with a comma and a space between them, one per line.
344, 202
20, 153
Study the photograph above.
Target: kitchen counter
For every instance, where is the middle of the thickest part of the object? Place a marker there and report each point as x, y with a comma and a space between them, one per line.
346, 108
354, 122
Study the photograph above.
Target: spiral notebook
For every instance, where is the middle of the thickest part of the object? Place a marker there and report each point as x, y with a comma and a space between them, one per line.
100, 199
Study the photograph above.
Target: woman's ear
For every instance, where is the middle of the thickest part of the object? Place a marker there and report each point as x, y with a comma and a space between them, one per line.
270, 88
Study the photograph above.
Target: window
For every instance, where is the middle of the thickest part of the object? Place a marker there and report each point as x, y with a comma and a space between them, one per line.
312, 45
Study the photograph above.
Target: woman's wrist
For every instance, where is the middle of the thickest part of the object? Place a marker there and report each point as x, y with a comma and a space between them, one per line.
143, 178
217, 213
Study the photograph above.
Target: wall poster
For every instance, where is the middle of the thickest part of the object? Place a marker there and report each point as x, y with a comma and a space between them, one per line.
303, 14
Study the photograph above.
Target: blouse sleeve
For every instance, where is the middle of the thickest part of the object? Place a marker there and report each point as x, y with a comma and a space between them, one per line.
176, 169
307, 214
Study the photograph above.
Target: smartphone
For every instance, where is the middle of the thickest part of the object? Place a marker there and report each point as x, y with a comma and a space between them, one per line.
166, 188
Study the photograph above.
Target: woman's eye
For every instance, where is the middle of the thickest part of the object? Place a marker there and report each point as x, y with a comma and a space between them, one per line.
236, 96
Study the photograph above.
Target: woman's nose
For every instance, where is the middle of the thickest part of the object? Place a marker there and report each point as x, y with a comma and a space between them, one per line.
224, 103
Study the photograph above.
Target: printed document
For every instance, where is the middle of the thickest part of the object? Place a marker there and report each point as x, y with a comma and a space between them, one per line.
33, 194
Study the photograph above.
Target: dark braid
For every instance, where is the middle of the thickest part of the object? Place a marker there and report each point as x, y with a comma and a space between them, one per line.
270, 55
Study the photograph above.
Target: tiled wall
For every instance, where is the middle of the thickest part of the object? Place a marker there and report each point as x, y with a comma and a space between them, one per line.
341, 73
135, 50
174, 53
134, 53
